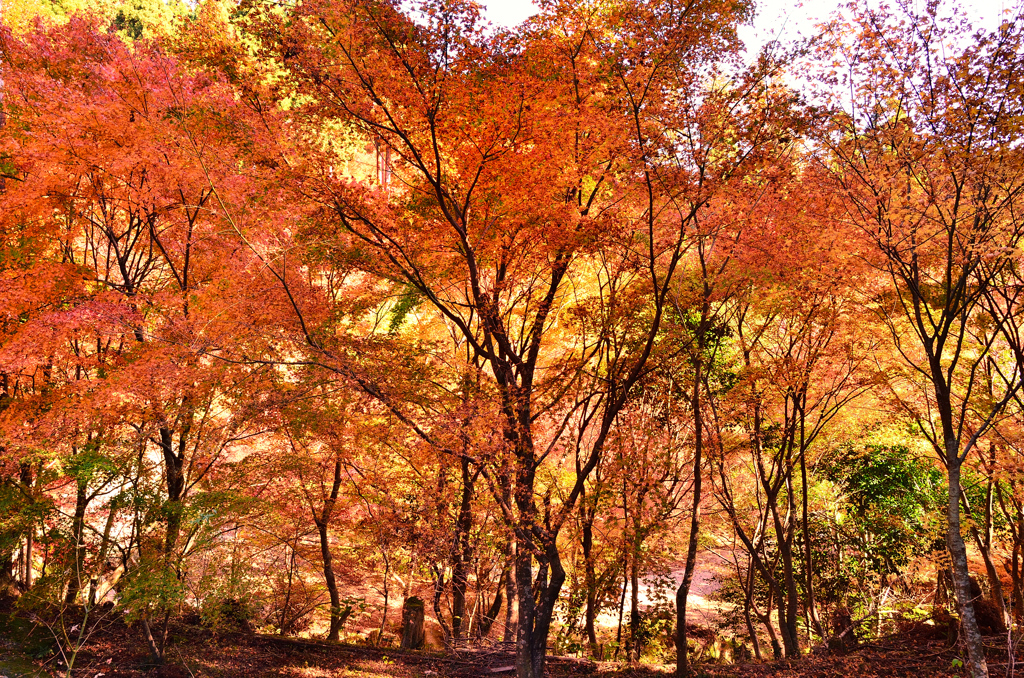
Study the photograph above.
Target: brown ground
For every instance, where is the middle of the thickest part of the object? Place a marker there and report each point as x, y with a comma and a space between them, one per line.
118, 652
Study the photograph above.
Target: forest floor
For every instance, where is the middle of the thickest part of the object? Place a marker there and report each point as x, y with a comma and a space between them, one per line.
119, 652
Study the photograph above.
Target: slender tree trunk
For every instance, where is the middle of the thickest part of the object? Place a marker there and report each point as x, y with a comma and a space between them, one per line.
780, 609
748, 604
491, 614
1013, 512
101, 559
174, 470
622, 604
634, 603
78, 554
1017, 573
683, 591
961, 574
590, 575
285, 622
773, 636
461, 555
387, 591
6, 570
811, 604
27, 480
322, 523
524, 594
446, 631
511, 616
29, 556
788, 600
155, 652
985, 545
8, 561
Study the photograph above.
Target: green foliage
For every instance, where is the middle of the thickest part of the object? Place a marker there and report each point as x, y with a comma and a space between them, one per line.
20, 510
148, 587
128, 24
408, 301
133, 19
893, 498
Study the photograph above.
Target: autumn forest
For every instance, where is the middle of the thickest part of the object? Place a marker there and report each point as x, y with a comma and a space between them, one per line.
364, 329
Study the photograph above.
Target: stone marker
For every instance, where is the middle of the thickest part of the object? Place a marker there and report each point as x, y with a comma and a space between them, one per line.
412, 623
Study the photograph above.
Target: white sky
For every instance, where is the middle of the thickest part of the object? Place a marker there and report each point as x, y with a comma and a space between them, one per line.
787, 19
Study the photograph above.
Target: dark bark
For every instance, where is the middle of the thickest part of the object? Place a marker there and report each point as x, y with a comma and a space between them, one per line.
322, 522
7, 577
174, 472
984, 540
387, 593
78, 538
961, 573
588, 514
439, 585
462, 551
156, 653
622, 606
683, 591
101, 559
788, 598
1013, 511
27, 478
633, 643
489, 616
511, 621
810, 604
748, 604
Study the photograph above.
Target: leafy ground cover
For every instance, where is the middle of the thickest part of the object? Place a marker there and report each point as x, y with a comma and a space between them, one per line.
117, 652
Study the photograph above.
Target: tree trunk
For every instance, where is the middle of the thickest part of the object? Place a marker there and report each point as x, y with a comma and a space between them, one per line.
683, 592
461, 555
6, 571
174, 470
155, 651
995, 585
511, 617
322, 523
537, 598
788, 600
748, 604
101, 559
27, 479
524, 632
986, 544
590, 575
387, 591
78, 554
1017, 573
491, 614
961, 574
622, 604
27, 579
810, 603
634, 604
1013, 512
446, 631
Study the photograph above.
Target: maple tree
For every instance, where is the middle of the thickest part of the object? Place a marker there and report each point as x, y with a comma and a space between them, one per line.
494, 261
311, 311
925, 157
117, 209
